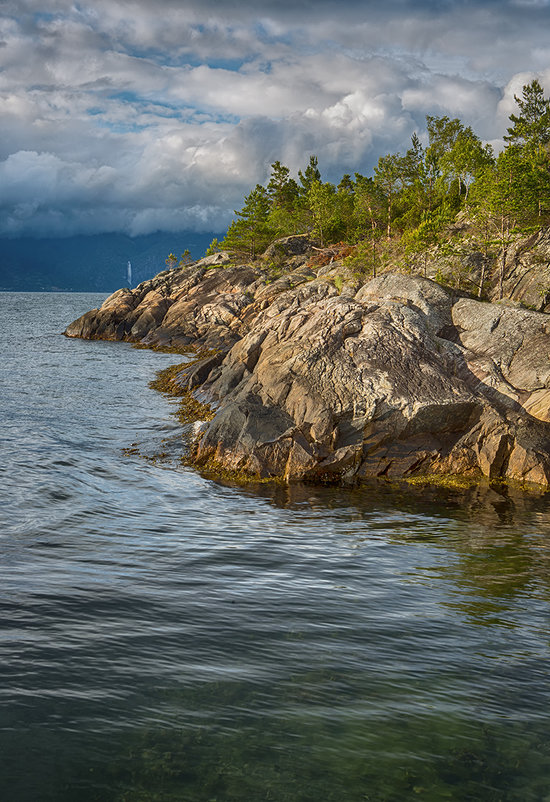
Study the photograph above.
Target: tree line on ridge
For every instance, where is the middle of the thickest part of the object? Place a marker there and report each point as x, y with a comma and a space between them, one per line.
412, 197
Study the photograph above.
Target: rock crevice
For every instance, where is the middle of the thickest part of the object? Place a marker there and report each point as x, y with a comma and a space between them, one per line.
395, 376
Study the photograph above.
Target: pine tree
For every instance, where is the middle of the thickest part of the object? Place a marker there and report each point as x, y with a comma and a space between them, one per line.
466, 157
213, 248
418, 193
344, 222
250, 233
530, 133
368, 206
281, 189
531, 127
185, 258
283, 193
310, 174
442, 135
322, 203
505, 199
389, 175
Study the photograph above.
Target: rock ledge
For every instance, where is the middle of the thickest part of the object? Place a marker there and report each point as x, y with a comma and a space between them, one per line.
323, 376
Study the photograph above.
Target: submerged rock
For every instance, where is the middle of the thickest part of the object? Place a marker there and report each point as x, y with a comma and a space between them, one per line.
321, 380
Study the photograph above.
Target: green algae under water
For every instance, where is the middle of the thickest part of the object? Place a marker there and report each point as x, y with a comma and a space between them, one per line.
166, 637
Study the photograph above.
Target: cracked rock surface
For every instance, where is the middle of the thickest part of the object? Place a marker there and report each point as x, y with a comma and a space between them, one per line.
317, 379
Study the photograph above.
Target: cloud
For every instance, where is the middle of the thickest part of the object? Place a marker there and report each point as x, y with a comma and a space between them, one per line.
136, 117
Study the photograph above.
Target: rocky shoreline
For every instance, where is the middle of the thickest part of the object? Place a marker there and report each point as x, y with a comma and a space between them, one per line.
316, 373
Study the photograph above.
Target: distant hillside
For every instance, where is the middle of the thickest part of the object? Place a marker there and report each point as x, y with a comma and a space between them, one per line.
91, 263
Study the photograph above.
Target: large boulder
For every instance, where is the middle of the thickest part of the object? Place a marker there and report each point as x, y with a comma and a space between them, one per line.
200, 304
321, 376
110, 322
526, 271
297, 245
403, 380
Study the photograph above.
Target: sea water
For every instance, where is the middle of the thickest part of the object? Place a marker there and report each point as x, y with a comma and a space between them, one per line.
167, 637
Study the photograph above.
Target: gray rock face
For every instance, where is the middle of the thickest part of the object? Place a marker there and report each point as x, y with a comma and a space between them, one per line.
334, 367
195, 304
313, 382
294, 249
401, 380
527, 271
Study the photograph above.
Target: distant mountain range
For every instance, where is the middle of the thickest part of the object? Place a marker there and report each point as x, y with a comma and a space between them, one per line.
92, 263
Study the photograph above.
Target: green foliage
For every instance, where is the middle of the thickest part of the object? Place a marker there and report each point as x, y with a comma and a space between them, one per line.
282, 190
185, 258
466, 158
413, 197
213, 248
389, 177
369, 205
310, 174
321, 200
419, 239
250, 233
372, 255
531, 127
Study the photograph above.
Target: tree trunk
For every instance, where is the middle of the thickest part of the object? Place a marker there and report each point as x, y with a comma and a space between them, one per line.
482, 279
502, 270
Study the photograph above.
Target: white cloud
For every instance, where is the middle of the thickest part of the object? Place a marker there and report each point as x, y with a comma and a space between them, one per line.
136, 116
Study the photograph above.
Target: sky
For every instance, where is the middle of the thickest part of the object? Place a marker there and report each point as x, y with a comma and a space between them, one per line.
133, 116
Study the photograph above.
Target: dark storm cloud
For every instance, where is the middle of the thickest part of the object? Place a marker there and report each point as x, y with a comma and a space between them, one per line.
133, 116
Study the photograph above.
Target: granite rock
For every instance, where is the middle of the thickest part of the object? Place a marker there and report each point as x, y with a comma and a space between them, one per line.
319, 380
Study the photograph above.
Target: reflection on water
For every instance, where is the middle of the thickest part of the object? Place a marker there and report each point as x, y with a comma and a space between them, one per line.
163, 637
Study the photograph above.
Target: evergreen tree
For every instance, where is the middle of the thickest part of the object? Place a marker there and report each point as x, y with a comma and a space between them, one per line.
389, 176
310, 174
465, 158
531, 127
414, 162
369, 206
185, 258
418, 193
414, 194
281, 189
344, 223
283, 192
250, 233
506, 199
530, 133
346, 186
213, 248
322, 203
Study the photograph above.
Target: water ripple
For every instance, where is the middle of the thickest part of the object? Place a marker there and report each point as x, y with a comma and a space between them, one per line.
164, 637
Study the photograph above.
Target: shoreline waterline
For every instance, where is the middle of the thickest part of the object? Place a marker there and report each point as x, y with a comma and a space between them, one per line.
168, 637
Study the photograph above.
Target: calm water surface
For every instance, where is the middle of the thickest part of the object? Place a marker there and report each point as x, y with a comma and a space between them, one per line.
163, 637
